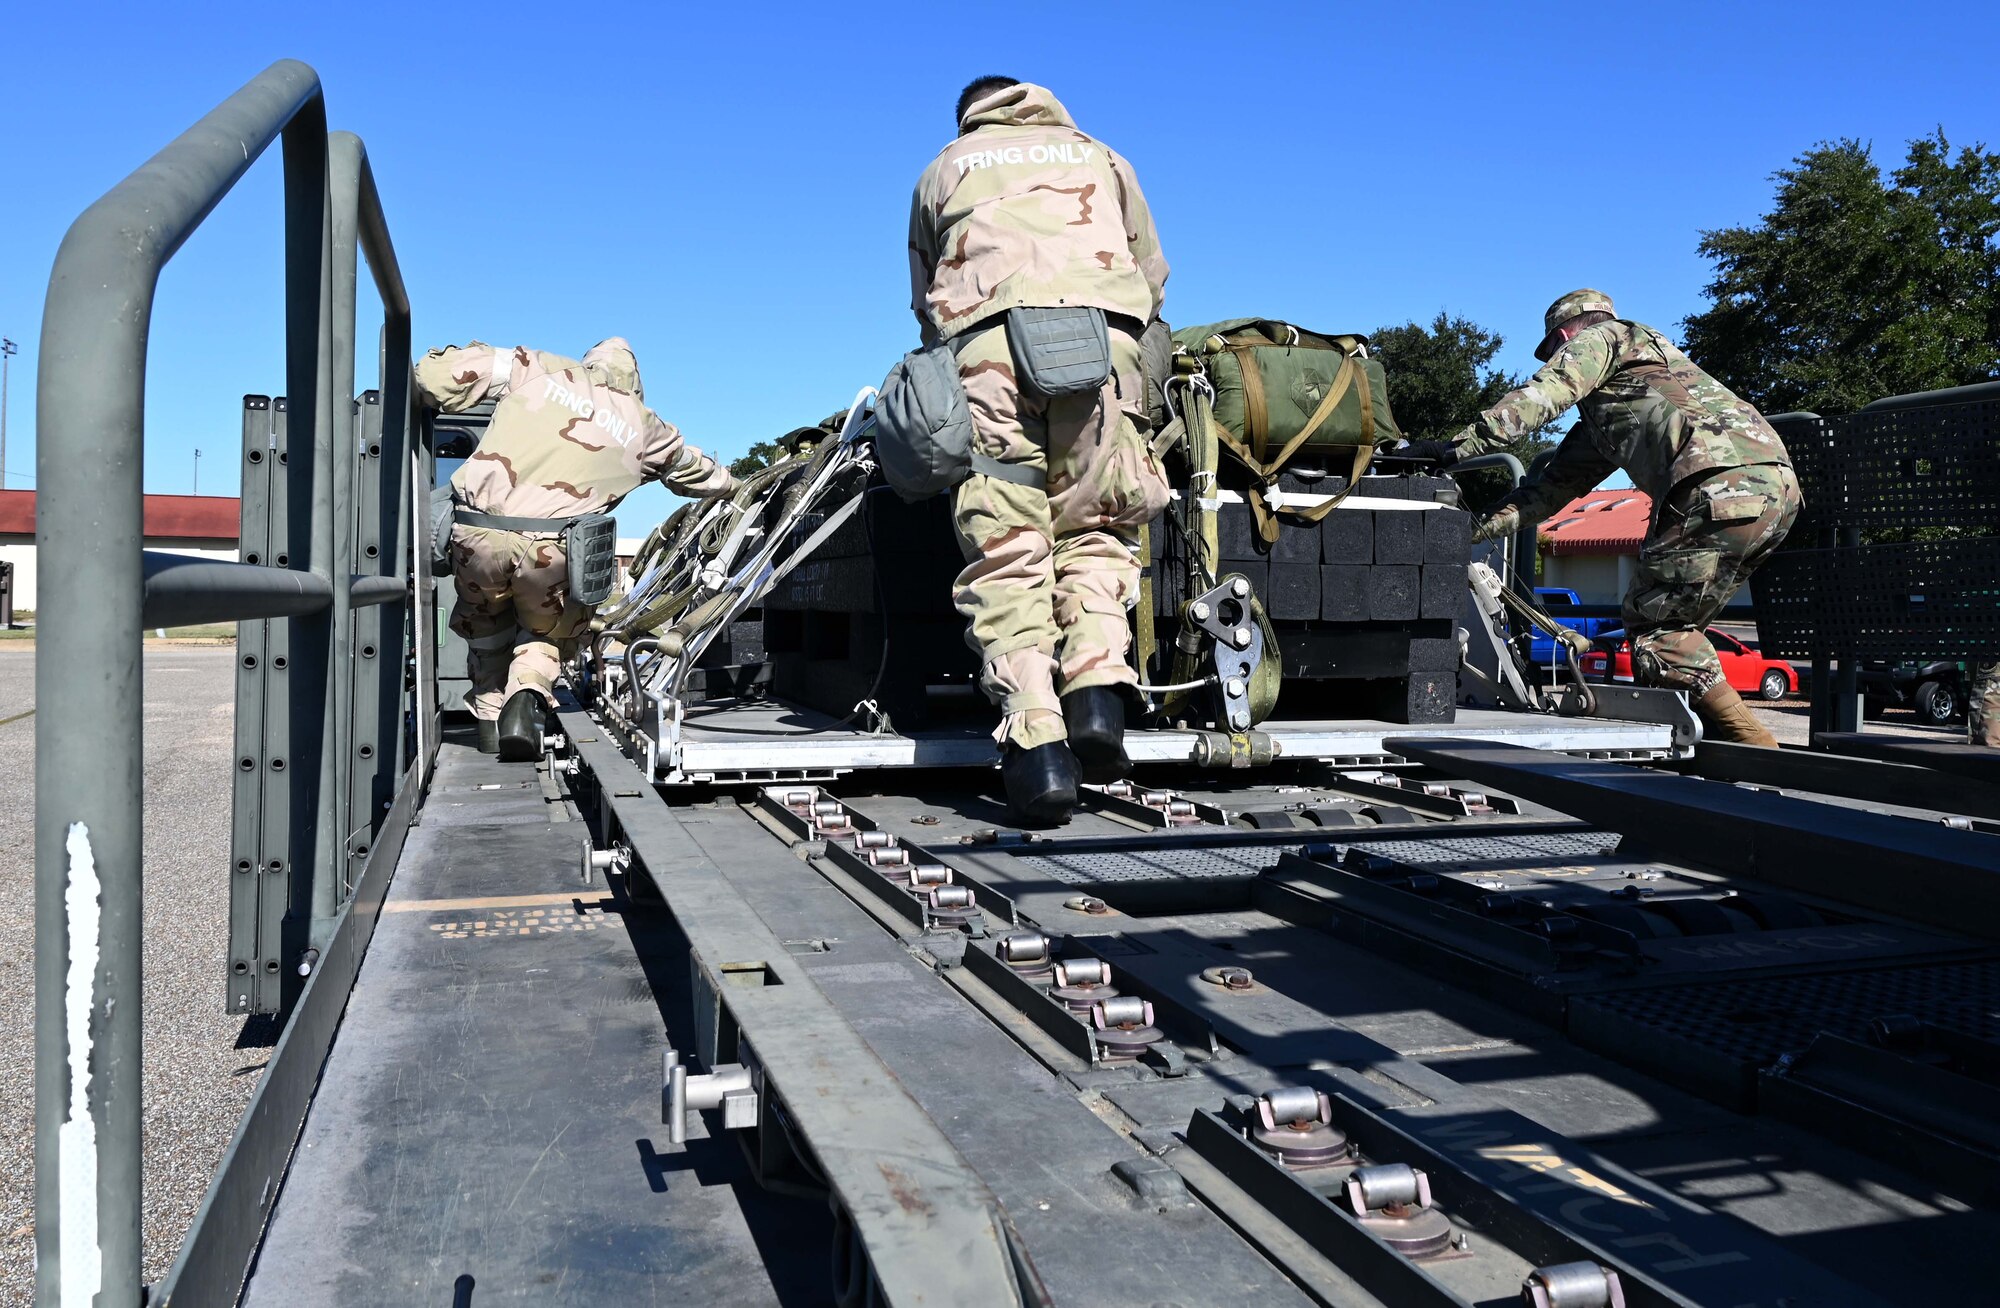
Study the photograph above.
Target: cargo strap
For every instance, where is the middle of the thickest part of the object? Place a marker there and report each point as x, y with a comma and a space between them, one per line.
1256, 417
500, 522
1021, 475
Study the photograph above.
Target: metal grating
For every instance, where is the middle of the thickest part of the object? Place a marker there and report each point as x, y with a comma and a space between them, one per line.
1165, 865
1754, 1021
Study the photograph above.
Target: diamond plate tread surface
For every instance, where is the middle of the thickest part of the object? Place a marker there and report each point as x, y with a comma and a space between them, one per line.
1482, 853
1156, 865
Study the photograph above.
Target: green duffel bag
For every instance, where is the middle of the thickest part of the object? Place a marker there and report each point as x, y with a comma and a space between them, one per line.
1280, 389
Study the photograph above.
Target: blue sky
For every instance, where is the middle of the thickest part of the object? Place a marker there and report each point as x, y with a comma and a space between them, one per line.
728, 186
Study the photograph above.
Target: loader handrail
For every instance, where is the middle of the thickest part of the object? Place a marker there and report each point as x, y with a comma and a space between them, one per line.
98, 586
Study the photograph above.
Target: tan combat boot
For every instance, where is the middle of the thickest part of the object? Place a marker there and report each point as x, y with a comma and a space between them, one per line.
1724, 716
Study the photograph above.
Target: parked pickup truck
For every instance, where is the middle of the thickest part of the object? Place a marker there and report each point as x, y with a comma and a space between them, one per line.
1560, 601
1934, 690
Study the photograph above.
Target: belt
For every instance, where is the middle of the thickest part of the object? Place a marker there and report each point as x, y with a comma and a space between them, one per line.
498, 522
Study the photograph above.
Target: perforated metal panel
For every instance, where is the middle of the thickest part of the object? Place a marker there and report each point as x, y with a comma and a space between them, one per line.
1936, 466
1924, 599
1084, 869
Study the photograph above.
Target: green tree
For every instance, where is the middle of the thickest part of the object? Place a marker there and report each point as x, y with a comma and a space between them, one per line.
758, 457
1440, 378
1855, 286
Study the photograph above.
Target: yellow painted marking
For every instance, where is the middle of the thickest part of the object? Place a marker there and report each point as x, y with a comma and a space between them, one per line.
590, 899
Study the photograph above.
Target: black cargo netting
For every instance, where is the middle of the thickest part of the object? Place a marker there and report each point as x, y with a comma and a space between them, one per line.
1933, 470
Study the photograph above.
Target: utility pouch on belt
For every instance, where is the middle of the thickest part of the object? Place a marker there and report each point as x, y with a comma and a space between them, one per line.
441, 509
591, 543
923, 428
1065, 351
1156, 361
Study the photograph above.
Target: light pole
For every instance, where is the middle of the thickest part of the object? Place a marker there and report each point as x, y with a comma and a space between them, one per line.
7, 352
197, 472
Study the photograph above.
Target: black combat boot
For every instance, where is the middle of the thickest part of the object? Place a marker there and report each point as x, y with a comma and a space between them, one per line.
1041, 784
1095, 717
489, 735
521, 728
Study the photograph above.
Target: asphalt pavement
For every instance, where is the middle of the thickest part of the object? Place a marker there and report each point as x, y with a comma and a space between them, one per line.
197, 1079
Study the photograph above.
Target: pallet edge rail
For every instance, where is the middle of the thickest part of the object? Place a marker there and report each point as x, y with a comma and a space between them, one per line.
101, 588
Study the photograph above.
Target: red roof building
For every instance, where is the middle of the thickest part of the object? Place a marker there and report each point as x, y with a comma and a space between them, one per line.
203, 525
1591, 544
1598, 522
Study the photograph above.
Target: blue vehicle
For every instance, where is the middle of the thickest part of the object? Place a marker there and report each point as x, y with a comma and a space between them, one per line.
1560, 602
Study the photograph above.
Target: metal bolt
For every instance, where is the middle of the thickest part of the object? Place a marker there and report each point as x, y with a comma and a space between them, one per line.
1240, 638
1233, 687
1199, 611
1239, 588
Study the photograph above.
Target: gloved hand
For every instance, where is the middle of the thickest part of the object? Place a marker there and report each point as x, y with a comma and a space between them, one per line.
1497, 526
1441, 453
727, 490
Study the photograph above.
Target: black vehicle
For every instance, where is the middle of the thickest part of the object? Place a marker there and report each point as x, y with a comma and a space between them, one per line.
1935, 691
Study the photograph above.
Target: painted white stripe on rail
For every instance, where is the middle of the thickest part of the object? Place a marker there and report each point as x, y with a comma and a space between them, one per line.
82, 1269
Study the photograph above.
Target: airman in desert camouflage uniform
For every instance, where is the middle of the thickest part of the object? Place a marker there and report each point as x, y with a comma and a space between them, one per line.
568, 438
1025, 210
1722, 486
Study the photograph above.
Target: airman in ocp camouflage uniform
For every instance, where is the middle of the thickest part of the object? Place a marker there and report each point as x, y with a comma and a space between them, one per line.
1983, 716
568, 438
1722, 486
1023, 209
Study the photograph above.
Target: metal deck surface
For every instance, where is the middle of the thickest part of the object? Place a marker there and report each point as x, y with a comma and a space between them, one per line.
487, 1129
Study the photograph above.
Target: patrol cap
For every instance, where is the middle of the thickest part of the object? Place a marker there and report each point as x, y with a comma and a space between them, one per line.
1569, 306
613, 360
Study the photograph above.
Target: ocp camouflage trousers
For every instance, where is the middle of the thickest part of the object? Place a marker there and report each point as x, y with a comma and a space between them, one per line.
1053, 570
514, 611
1983, 714
1707, 539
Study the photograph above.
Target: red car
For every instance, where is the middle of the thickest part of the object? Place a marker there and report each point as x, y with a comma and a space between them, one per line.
1610, 659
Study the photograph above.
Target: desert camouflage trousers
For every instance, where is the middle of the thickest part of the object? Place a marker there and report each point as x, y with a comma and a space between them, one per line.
1706, 540
513, 610
1052, 571
1983, 711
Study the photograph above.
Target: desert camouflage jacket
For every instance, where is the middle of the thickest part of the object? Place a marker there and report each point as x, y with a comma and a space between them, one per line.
1645, 407
567, 437
1024, 209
